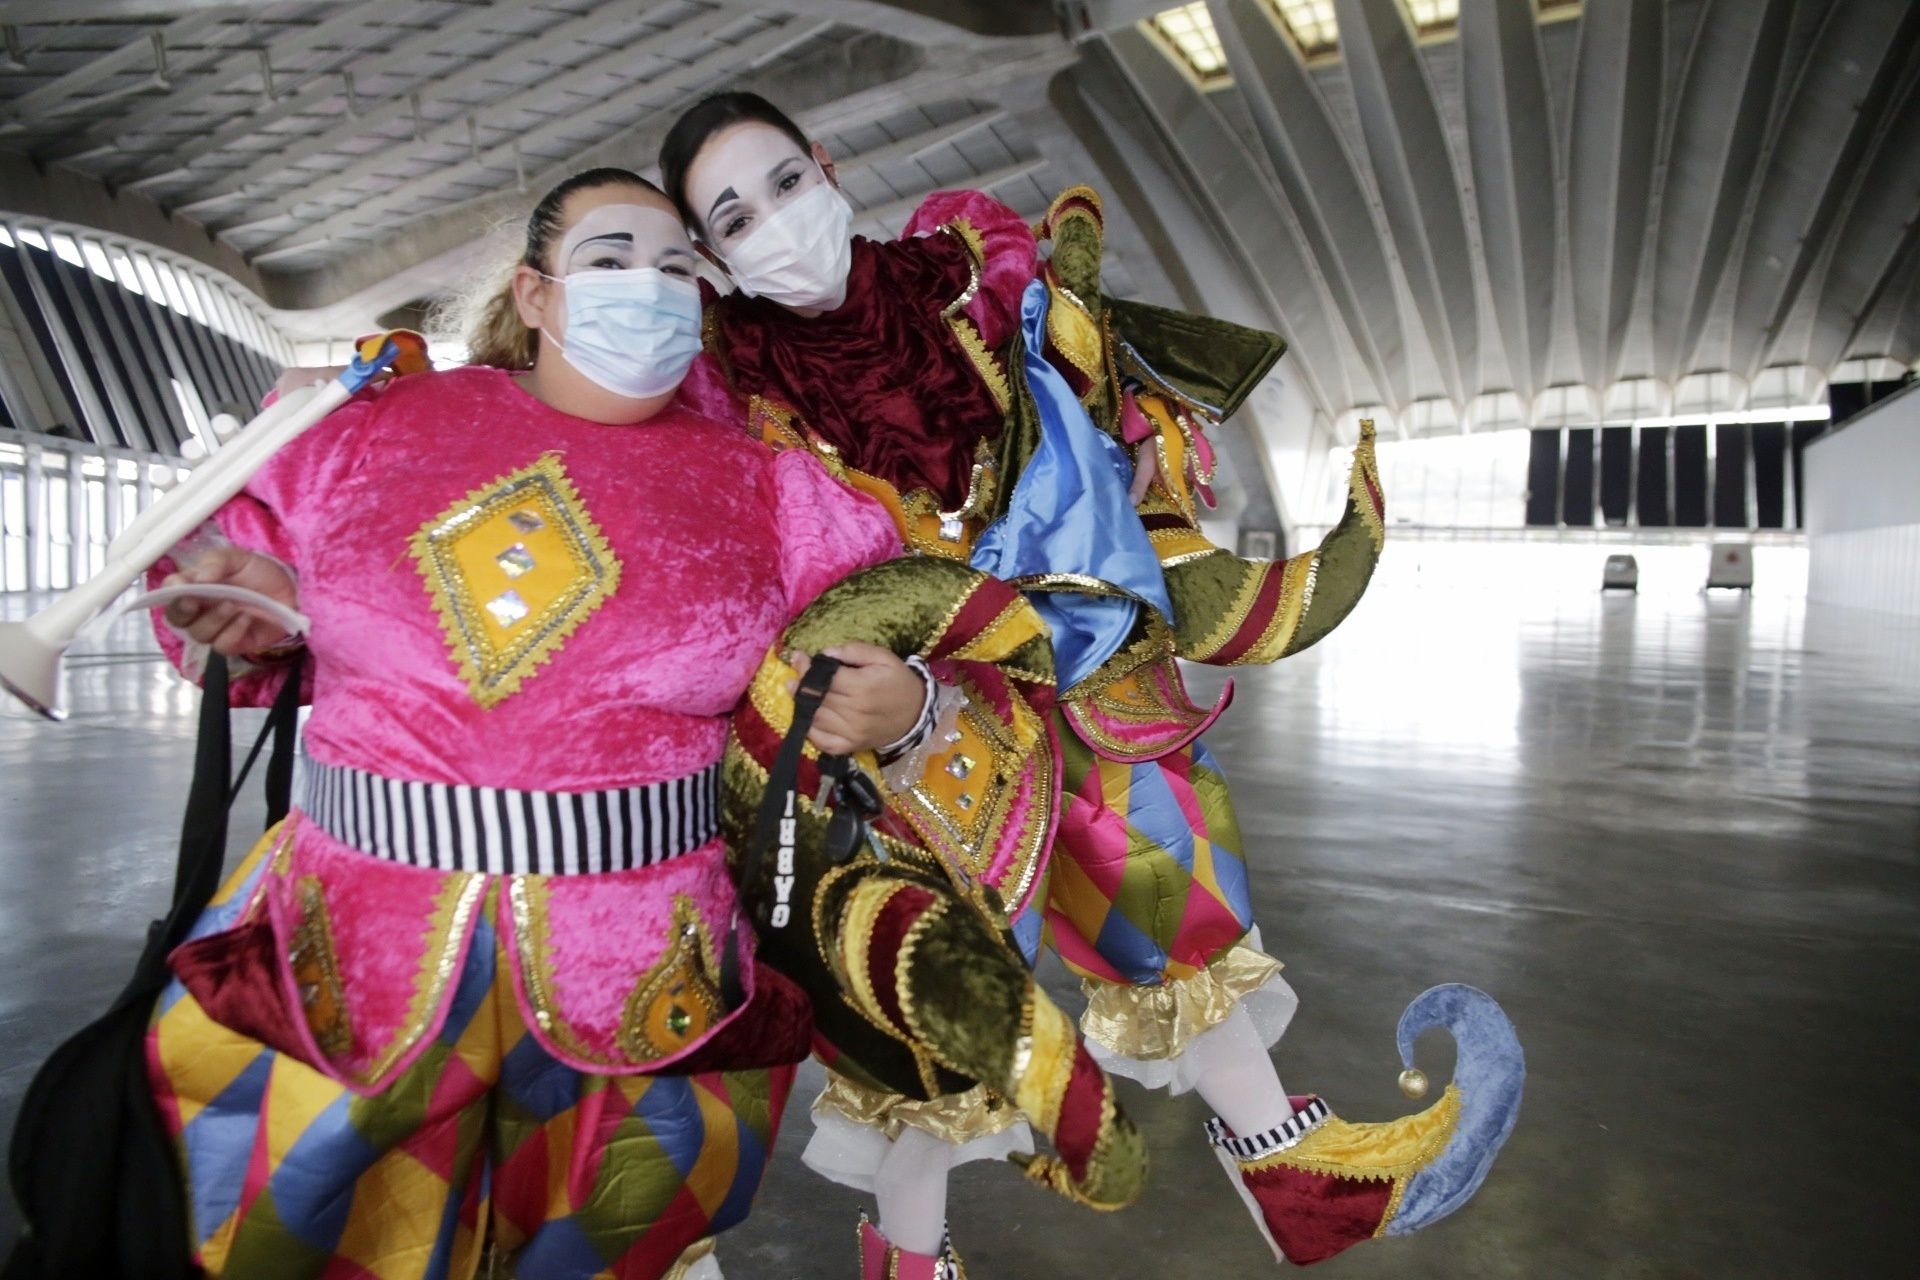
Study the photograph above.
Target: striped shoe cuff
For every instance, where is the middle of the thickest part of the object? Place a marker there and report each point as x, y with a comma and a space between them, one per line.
1258, 1146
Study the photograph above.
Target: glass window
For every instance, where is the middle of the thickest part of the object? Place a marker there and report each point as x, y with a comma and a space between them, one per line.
58, 544
68, 249
13, 531
96, 518
1476, 481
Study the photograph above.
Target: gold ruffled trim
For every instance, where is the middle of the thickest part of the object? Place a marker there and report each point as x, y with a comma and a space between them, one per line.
956, 1118
695, 1253
1152, 1024
984, 361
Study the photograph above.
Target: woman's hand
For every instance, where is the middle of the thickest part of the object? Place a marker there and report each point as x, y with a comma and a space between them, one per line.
874, 700
223, 625
1146, 469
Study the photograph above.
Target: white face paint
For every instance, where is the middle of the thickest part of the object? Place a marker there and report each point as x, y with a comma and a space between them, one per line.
631, 320
745, 174
622, 237
783, 228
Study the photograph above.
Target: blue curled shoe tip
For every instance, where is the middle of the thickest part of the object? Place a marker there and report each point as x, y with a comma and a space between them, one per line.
1490, 1070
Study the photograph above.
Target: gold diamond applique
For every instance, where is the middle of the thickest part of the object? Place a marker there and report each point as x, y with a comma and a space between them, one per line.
514, 567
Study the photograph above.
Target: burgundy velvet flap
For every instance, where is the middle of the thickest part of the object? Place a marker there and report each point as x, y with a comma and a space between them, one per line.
235, 976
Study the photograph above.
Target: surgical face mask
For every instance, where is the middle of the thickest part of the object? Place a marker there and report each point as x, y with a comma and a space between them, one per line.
799, 256
633, 332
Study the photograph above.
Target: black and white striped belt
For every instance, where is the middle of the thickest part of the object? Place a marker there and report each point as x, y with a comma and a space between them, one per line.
501, 831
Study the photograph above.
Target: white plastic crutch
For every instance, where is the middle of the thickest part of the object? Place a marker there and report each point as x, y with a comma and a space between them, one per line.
31, 651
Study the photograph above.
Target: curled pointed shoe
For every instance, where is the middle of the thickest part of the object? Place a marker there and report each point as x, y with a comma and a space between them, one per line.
880, 1260
1319, 1185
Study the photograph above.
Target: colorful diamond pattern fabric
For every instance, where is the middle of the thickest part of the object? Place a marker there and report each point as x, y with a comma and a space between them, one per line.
1149, 881
485, 1138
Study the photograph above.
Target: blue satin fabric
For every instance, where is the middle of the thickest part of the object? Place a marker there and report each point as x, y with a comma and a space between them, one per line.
1069, 513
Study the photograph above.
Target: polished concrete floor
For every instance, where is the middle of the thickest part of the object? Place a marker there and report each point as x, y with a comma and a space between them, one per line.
1678, 838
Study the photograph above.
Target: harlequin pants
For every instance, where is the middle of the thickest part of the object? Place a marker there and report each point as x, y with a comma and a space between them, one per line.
485, 1139
1148, 882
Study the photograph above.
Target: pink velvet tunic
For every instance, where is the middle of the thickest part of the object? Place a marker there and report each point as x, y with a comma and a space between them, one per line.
671, 555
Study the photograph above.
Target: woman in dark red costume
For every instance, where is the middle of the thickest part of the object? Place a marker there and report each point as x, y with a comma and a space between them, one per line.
1005, 413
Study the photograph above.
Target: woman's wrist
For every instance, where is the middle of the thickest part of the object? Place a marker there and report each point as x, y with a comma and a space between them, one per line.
922, 727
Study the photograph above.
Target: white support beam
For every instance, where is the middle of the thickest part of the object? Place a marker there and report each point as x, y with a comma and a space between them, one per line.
499, 159
489, 70
53, 96
889, 216
916, 145
231, 71
403, 58
454, 133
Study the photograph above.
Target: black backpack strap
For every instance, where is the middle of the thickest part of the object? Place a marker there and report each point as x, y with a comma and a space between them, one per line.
783, 781
203, 831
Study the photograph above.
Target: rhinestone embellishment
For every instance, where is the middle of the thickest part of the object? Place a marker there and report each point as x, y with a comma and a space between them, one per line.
513, 568
508, 608
960, 766
515, 560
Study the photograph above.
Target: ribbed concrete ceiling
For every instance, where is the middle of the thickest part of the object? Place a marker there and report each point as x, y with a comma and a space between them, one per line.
1463, 216
342, 158
1504, 212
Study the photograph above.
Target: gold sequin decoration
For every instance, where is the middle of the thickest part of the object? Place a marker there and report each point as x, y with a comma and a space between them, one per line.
985, 363
316, 972
501, 626
677, 1000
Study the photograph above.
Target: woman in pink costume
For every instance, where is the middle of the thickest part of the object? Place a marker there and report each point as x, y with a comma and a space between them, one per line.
467, 997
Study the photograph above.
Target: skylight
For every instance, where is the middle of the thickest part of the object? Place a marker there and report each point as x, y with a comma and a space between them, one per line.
1310, 23
1434, 17
1189, 32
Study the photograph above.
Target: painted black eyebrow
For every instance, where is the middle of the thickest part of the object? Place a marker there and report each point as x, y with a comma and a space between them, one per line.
722, 198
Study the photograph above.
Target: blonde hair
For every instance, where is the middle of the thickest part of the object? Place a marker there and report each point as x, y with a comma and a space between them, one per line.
486, 315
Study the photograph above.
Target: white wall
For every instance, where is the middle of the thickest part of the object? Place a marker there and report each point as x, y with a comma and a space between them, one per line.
1862, 489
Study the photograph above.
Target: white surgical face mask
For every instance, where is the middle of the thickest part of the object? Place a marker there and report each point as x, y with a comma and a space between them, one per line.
634, 332
799, 256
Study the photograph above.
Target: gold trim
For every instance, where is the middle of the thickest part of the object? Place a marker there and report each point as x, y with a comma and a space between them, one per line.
1366, 467
1188, 557
316, 972
1043, 1062
498, 675
1234, 616
1154, 1023
1393, 1206
530, 930
955, 1118
1335, 1133
689, 958
976, 257
457, 899
858, 919
983, 359
1298, 577
694, 1254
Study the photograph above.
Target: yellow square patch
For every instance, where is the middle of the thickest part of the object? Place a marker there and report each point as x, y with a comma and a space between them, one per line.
514, 567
